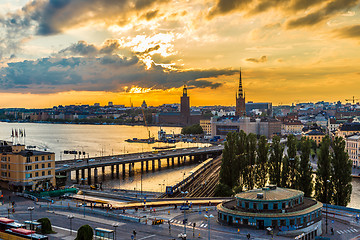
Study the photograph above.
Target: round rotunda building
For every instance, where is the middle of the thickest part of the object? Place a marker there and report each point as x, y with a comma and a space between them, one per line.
285, 210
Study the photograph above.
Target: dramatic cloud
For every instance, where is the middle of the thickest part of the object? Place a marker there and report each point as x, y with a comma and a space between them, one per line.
317, 11
107, 73
257, 60
349, 32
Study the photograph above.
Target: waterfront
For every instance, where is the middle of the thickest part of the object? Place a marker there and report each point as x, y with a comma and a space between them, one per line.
101, 140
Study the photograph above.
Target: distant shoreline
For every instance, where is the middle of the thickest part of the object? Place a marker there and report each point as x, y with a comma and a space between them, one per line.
86, 123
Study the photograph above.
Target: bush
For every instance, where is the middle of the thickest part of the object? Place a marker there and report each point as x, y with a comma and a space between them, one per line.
45, 226
193, 129
85, 232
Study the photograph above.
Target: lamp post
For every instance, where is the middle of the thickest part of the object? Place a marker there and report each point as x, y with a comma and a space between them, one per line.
83, 181
185, 220
326, 192
30, 209
115, 225
70, 217
208, 218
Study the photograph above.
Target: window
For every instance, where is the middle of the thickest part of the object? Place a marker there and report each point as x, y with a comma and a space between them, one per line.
255, 206
246, 205
298, 221
36, 174
49, 172
43, 158
265, 205
28, 168
43, 165
282, 222
275, 206
28, 160
9, 159
49, 157
283, 205
28, 175
292, 222
305, 219
43, 173
36, 166
3, 174
49, 164
36, 159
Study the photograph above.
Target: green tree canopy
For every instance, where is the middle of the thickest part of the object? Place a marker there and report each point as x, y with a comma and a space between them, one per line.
85, 232
193, 129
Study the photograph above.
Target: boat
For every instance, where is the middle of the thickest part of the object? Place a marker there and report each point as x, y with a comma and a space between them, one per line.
139, 140
166, 147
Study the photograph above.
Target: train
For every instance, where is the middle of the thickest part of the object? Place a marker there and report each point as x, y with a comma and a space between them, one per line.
12, 230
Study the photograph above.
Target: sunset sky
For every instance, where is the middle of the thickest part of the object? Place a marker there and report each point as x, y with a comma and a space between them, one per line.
56, 52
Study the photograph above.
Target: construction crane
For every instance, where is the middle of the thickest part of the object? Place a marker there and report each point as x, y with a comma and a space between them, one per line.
142, 109
353, 99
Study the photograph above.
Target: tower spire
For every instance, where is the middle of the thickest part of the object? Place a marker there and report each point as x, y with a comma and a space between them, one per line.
240, 92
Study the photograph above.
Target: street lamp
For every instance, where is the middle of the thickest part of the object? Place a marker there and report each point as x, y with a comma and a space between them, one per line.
70, 217
326, 192
30, 209
115, 225
83, 181
208, 218
185, 220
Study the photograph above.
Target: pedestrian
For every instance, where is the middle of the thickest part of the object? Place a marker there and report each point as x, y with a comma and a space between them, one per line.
248, 236
332, 230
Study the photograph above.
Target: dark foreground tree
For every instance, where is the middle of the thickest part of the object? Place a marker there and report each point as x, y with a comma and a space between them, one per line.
262, 162
305, 181
323, 184
227, 174
250, 158
85, 232
223, 190
275, 161
341, 169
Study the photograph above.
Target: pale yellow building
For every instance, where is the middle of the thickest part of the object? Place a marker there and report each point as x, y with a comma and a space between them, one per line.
24, 169
294, 127
206, 126
315, 135
353, 149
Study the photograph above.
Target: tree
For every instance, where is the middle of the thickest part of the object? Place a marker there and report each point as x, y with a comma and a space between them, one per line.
250, 157
262, 162
227, 165
290, 164
45, 226
223, 190
85, 232
193, 129
240, 160
341, 170
275, 161
323, 184
305, 180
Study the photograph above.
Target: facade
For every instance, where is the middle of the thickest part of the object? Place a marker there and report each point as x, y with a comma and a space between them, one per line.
206, 126
353, 149
262, 107
294, 127
222, 126
285, 210
25, 169
240, 100
314, 135
348, 129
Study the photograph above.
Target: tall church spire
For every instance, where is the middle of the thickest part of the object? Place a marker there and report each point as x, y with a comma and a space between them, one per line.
240, 91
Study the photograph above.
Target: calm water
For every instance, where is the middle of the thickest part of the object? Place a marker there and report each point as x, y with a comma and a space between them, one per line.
102, 140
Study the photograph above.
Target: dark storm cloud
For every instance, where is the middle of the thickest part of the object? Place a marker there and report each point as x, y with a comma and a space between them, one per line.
80, 48
106, 73
257, 60
349, 32
332, 8
316, 13
150, 15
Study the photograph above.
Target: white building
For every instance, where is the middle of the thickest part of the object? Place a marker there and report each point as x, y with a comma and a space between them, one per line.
353, 149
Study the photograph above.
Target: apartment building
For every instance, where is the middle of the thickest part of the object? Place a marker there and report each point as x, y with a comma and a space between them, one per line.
24, 169
353, 149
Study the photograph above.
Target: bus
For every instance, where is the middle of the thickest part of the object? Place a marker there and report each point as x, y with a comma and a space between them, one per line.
11, 230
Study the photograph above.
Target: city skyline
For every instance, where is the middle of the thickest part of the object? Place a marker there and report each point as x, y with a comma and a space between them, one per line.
80, 52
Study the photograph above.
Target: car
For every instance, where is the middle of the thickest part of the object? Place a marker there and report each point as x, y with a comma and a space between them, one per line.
119, 158
79, 160
150, 155
192, 150
184, 149
66, 165
92, 160
163, 153
174, 150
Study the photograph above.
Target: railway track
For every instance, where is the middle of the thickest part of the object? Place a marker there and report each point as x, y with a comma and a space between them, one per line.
203, 185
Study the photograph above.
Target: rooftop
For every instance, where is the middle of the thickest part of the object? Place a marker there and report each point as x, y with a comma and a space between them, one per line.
270, 194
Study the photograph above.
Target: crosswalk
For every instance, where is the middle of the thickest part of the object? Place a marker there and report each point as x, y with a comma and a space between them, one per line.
349, 230
198, 224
